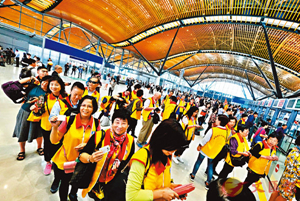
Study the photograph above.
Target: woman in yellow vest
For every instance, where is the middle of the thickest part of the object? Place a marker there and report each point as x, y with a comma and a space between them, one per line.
109, 178
188, 124
135, 112
150, 172
210, 147
238, 147
135, 89
263, 153
56, 91
169, 108
76, 135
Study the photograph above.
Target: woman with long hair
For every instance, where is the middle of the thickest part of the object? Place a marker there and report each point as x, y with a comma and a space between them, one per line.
55, 91
189, 125
150, 174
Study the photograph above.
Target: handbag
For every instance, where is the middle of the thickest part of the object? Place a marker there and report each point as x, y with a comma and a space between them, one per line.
14, 90
83, 172
105, 121
69, 166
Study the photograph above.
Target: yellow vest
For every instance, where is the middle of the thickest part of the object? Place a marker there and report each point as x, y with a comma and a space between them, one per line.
128, 143
104, 105
242, 147
189, 132
133, 95
188, 106
166, 101
72, 138
260, 165
136, 114
145, 113
153, 181
168, 110
45, 124
236, 126
94, 94
181, 103
217, 141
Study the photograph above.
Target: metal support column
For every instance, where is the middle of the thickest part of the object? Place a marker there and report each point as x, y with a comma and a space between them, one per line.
20, 16
264, 76
42, 25
275, 76
69, 33
182, 61
251, 90
59, 36
162, 66
121, 62
153, 68
199, 76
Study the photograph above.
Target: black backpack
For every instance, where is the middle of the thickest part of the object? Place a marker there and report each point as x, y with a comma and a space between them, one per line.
155, 118
70, 109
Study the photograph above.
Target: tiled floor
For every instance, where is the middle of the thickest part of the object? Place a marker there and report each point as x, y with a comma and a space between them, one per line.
24, 180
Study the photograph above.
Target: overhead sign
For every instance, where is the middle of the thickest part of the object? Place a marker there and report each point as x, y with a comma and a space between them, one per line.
66, 49
297, 106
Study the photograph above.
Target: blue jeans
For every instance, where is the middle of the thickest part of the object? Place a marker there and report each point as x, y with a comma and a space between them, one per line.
209, 167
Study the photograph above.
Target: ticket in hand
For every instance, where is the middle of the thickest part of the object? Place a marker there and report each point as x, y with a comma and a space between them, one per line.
184, 189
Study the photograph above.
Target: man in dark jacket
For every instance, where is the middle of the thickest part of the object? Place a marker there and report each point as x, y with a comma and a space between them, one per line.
250, 123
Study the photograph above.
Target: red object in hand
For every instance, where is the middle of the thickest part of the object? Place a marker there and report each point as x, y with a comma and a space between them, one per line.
184, 189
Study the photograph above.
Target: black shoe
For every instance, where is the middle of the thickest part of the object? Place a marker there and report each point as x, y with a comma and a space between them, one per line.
73, 197
93, 196
54, 187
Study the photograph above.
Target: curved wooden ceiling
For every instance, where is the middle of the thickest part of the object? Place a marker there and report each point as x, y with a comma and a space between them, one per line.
116, 21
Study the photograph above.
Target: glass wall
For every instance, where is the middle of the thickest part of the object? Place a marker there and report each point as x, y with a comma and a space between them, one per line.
228, 87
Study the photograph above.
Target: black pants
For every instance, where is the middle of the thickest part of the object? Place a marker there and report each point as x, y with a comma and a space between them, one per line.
132, 125
297, 194
225, 171
17, 61
222, 154
201, 120
110, 91
64, 179
180, 115
101, 114
180, 151
73, 71
251, 178
49, 148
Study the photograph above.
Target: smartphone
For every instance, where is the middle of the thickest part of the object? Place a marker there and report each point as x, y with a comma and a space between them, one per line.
61, 117
105, 149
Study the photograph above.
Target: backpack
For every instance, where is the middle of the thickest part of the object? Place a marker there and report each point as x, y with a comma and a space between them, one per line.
155, 118
70, 109
14, 90
130, 106
173, 114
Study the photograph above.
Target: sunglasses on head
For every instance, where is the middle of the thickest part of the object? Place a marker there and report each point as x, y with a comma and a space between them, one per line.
93, 82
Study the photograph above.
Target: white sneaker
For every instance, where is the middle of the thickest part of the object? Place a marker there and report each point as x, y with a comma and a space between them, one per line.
180, 160
175, 159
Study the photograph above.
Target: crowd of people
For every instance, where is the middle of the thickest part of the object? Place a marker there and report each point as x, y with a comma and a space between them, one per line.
68, 131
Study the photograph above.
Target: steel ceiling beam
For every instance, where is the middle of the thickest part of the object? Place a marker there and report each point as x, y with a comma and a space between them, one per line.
251, 90
264, 76
153, 68
199, 76
183, 61
275, 76
91, 43
187, 81
166, 58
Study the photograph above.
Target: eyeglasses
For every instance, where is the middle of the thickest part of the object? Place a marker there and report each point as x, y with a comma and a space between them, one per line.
93, 82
